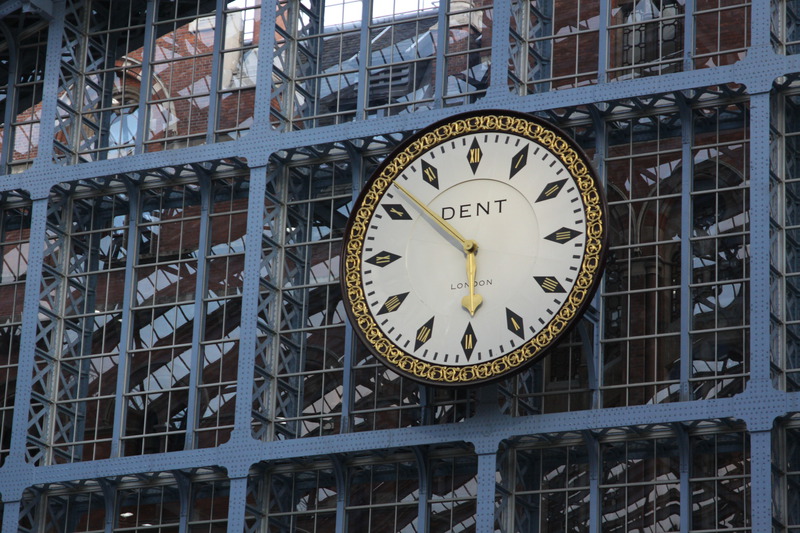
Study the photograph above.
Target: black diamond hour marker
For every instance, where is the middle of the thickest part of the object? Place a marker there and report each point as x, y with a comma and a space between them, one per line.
518, 162
392, 303
430, 174
381, 259
549, 284
474, 155
397, 212
468, 341
563, 235
551, 190
423, 334
515, 323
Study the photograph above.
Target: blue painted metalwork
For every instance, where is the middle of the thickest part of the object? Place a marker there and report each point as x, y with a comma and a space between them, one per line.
759, 406
686, 247
12, 75
127, 298
198, 358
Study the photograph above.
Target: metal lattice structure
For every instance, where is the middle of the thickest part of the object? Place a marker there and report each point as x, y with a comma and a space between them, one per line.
176, 179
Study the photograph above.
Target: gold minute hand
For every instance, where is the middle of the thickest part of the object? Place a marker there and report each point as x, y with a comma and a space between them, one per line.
472, 300
436, 218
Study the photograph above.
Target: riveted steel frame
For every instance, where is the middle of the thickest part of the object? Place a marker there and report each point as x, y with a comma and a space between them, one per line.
759, 406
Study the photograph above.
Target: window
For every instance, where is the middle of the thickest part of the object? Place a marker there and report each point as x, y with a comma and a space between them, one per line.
646, 37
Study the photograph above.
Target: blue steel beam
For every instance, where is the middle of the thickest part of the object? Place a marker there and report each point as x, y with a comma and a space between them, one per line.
43, 8
485, 431
759, 406
6, 148
757, 72
198, 325
685, 390
144, 85
237, 500
250, 296
132, 244
595, 497
220, 30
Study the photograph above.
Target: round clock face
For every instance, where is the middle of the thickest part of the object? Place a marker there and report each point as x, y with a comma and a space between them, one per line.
473, 248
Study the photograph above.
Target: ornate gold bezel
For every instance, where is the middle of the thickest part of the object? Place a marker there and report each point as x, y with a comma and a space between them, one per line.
582, 290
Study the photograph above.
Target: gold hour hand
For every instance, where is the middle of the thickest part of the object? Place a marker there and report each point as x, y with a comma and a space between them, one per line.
472, 300
436, 218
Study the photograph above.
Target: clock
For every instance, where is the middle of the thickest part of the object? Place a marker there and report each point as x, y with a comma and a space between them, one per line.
474, 247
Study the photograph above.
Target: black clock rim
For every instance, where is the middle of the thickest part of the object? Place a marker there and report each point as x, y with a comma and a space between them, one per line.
581, 309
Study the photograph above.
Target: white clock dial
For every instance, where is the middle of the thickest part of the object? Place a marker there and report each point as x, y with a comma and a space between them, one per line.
498, 211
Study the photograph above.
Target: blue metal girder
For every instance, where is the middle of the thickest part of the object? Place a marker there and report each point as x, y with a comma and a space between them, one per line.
759, 406
44, 8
